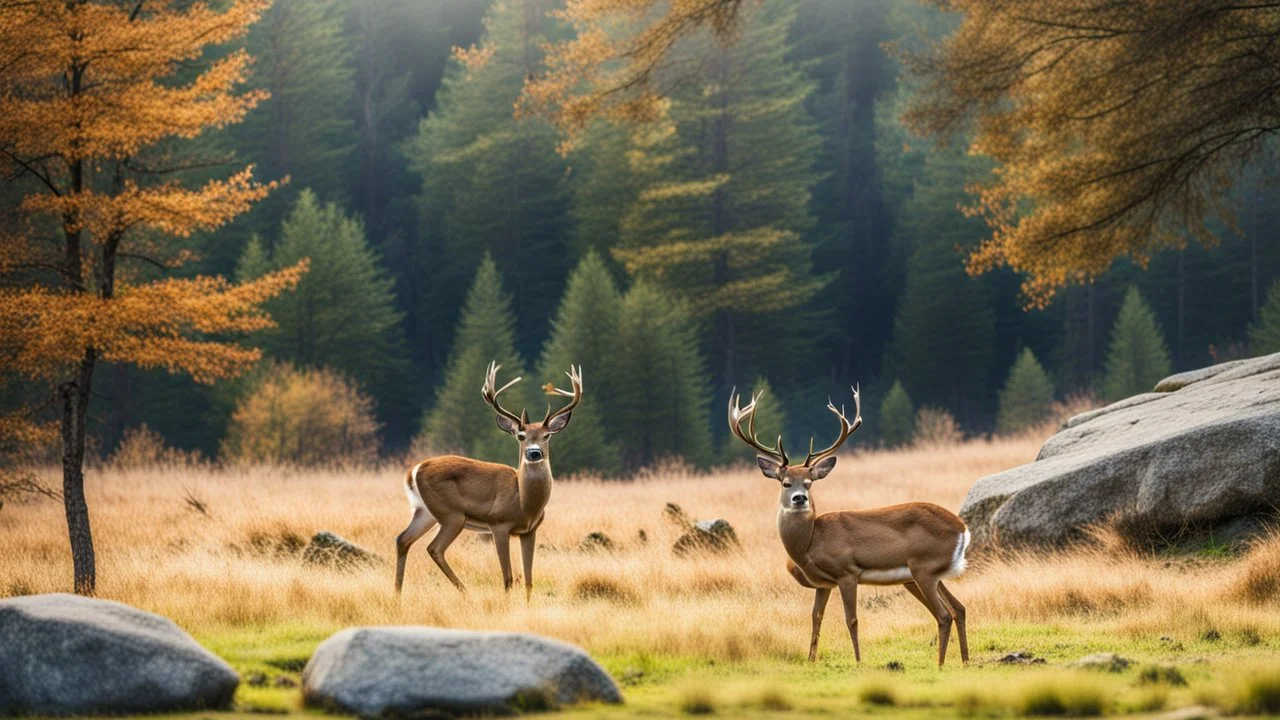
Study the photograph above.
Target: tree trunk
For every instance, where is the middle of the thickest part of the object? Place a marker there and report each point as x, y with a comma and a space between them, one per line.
75, 409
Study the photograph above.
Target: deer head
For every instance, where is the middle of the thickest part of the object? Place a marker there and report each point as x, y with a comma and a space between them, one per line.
533, 437
774, 462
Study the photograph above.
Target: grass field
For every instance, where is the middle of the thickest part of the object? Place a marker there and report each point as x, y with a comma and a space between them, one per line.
724, 634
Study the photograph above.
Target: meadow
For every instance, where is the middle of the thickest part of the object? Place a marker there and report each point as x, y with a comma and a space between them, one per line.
217, 550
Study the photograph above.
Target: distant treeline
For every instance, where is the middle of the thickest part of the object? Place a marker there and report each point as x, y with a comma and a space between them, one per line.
779, 227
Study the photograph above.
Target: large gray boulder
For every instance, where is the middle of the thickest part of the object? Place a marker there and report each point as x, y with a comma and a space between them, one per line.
416, 671
71, 655
1203, 451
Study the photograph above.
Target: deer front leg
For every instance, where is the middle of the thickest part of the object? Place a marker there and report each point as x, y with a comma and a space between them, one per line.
502, 541
820, 598
528, 542
849, 595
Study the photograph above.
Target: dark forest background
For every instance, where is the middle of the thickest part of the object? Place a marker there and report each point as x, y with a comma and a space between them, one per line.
443, 232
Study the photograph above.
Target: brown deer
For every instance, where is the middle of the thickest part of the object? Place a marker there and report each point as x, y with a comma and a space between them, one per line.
461, 493
916, 544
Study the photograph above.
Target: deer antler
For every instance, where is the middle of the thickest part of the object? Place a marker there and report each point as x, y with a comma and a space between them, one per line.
738, 414
575, 380
846, 429
491, 395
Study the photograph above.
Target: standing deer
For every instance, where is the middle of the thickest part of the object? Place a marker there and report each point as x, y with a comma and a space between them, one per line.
461, 493
916, 544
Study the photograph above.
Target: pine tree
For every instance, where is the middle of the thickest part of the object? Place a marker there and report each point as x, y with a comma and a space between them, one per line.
1027, 395
662, 394
460, 421
343, 315
897, 417
584, 332
1264, 335
1137, 357
492, 183
723, 215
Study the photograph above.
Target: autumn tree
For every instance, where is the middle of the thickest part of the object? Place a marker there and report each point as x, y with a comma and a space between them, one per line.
1137, 357
89, 111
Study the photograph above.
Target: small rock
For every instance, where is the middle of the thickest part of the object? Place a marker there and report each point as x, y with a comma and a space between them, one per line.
595, 542
1020, 657
256, 679
1110, 662
329, 550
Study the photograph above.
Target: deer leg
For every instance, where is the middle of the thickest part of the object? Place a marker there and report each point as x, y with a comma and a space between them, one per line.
418, 526
929, 588
450, 529
502, 541
528, 542
820, 598
957, 610
849, 595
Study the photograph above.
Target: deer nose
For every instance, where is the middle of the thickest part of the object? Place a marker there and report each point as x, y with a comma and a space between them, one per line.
533, 453
799, 500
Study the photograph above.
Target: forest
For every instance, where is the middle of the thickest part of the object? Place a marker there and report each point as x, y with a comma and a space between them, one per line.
779, 228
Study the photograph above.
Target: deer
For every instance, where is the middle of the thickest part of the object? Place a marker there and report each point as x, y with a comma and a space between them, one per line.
460, 493
916, 545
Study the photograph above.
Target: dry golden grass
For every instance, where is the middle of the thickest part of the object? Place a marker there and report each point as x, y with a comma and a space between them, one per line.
236, 567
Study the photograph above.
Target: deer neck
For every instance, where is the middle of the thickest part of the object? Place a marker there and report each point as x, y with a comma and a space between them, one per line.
795, 527
535, 486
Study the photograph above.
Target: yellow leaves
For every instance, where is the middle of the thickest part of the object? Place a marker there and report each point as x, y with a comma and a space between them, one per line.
473, 58
175, 324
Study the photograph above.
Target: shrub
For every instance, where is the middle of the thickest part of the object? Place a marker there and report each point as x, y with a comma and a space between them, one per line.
897, 417
302, 417
141, 448
1027, 397
935, 426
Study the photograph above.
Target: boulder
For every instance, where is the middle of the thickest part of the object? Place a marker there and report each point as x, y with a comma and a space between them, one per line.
1201, 453
329, 550
72, 655
715, 536
420, 671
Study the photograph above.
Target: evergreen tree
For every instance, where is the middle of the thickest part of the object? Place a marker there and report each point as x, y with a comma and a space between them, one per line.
303, 131
1137, 357
723, 214
584, 332
1027, 395
943, 330
661, 393
1264, 335
460, 421
343, 313
897, 417
493, 183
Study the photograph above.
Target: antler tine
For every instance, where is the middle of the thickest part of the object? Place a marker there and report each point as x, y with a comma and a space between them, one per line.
491, 396
846, 428
575, 381
737, 414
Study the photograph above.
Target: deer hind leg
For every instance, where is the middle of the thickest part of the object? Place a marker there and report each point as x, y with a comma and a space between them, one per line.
820, 598
420, 525
849, 596
928, 586
957, 610
450, 529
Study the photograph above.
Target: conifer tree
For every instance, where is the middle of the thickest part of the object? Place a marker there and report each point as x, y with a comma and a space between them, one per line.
492, 183
723, 213
343, 314
584, 332
1264, 335
1027, 395
1137, 357
662, 394
897, 417
460, 421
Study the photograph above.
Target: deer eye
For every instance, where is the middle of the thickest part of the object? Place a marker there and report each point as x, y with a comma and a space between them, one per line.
520, 436
786, 484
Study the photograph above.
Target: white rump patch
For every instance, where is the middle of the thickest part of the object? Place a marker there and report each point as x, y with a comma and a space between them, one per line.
411, 490
887, 577
957, 557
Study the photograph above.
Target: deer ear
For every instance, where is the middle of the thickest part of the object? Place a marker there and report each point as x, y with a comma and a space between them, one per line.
558, 423
823, 468
507, 425
769, 467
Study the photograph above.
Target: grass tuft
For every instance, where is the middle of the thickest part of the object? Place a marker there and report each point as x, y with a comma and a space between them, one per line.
1258, 692
774, 698
877, 692
697, 699
1062, 695
1161, 675
593, 586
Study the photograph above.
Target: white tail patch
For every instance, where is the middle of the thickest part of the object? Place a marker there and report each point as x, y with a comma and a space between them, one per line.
411, 490
890, 576
957, 558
